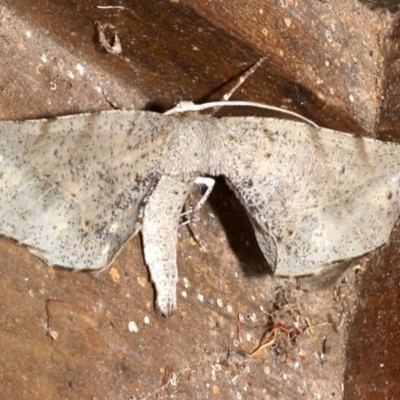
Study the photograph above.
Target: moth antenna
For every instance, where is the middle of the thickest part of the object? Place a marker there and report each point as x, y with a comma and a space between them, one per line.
249, 72
184, 106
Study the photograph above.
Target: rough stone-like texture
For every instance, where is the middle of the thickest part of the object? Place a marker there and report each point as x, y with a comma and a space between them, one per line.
325, 61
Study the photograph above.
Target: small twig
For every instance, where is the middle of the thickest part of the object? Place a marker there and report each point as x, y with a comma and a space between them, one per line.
49, 331
238, 330
265, 343
116, 8
167, 375
310, 328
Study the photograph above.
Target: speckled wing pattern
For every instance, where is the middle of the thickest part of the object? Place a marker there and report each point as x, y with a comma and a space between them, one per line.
71, 187
314, 196
74, 189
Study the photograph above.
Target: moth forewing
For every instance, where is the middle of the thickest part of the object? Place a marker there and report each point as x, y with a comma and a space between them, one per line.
324, 196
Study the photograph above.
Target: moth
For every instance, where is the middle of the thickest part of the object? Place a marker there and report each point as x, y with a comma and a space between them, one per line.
74, 189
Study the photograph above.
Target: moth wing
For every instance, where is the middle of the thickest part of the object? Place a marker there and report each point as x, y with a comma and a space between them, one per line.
314, 196
71, 188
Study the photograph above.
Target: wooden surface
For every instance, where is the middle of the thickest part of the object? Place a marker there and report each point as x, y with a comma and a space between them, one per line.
188, 50
325, 61
373, 367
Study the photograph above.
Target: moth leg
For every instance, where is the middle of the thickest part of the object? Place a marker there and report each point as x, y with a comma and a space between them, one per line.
191, 221
160, 234
209, 182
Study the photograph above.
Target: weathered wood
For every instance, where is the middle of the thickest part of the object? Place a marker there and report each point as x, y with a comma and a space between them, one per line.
187, 50
323, 61
373, 353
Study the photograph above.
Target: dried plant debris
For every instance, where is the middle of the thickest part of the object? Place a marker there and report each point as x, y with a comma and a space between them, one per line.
113, 45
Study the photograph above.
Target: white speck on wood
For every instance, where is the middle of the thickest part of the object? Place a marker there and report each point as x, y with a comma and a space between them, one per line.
132, 327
